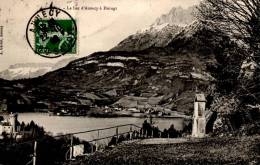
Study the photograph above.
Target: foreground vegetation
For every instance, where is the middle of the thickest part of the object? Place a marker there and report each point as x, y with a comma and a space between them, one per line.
50, 150
225, 150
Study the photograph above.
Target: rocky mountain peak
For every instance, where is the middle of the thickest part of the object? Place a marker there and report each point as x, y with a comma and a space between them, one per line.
177, 16
161, 32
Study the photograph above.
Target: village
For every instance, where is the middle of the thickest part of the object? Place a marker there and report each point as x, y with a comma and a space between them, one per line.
11, 127
128, 106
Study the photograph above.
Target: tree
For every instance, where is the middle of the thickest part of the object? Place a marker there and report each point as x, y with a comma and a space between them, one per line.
2, 118
241, 20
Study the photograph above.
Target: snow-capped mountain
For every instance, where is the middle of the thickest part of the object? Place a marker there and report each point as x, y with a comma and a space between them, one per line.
31, 70
160, 33
177, 16
176, 59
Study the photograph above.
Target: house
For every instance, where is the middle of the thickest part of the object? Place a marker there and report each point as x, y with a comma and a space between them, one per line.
8, 125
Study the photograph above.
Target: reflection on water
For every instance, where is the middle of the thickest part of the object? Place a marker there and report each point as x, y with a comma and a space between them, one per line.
59, 124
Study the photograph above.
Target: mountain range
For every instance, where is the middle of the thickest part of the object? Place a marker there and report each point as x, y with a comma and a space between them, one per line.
162, 66
32, 70
160, 33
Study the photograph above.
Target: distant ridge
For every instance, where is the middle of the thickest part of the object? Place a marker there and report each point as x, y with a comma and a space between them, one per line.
31, 70
160, 33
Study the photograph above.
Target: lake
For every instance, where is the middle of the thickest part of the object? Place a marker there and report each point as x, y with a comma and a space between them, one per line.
69, 124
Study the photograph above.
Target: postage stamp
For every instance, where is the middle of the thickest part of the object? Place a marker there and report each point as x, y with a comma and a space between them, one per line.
52, 32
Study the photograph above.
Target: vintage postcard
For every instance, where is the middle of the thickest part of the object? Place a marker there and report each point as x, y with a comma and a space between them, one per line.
129, 82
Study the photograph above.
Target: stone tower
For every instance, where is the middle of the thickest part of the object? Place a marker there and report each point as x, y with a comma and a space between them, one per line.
199, 119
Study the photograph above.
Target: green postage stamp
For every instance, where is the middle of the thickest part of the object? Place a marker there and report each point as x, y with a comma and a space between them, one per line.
52, 32
55, 36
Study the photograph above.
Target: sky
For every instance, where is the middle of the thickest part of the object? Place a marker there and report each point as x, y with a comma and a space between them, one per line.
97, 30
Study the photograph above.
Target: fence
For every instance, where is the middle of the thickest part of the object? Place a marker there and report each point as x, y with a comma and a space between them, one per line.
132, 130
74, 148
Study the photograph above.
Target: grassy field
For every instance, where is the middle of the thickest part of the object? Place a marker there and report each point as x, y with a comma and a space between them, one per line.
228, 150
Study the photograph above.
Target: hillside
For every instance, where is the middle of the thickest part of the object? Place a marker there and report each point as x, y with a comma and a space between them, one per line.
167, 76
228, 150
141, 74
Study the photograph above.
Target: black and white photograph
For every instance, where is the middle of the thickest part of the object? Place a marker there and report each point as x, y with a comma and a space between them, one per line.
130, 82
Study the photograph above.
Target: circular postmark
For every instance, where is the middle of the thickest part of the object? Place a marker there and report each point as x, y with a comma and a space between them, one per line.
52, 32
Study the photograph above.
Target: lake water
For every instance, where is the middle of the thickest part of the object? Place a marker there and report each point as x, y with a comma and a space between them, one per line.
62, 124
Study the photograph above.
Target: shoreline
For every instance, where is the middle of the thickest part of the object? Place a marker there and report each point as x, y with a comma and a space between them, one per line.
117, 115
